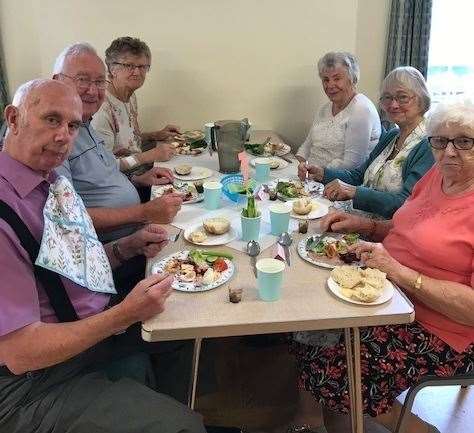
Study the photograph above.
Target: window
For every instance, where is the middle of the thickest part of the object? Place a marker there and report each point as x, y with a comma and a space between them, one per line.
451, 52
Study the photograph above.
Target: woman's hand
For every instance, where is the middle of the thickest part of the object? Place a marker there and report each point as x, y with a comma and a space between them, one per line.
168, 132
345, 223
337, 190
149, 241
162, 152
311, 171
374, 255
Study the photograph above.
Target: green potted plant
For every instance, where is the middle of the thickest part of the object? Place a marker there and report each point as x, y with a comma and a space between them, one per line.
250, 219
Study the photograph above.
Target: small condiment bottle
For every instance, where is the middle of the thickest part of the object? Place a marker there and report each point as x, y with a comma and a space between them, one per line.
235, 295
272, 195
199, 187
303, 226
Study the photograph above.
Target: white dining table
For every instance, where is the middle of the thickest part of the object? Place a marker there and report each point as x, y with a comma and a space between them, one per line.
305, 304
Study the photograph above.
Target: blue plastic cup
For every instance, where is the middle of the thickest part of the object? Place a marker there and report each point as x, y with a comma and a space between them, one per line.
262, 169
212, 195
269, 279
279, 218
250, 228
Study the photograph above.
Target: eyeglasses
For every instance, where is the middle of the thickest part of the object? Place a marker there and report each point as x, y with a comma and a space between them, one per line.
83, 83
460, 143
130, 67
401, 99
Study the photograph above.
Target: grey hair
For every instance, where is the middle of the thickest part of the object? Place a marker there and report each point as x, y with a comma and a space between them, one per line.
458, 113
411, 79
70, 51
340, 58
25, 89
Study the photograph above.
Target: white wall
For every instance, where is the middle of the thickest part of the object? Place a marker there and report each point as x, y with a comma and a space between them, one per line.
212, 59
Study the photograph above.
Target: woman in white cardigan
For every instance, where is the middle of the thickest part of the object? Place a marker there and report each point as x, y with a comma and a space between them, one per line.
347, 127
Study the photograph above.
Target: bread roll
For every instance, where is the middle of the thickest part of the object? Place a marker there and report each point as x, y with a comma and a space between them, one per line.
216, 226
302, 206
346, 276
198, 236
183, 169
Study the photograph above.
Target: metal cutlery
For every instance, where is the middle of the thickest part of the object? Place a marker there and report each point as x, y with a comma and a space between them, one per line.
285, 240
175, 237
253, 250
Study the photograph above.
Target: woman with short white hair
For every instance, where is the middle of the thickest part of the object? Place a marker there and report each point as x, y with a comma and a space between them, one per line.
347, 127
426, 249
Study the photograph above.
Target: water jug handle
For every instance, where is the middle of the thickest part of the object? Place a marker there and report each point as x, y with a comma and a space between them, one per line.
244, 127
214, 143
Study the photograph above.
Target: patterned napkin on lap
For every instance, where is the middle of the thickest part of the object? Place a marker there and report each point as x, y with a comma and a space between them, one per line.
69, 245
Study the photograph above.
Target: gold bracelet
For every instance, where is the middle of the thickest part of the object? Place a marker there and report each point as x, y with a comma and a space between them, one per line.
418, 282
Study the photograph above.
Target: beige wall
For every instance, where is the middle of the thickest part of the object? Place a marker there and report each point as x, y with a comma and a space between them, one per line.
212, 59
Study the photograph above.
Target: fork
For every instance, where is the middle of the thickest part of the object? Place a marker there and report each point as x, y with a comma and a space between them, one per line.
175, 237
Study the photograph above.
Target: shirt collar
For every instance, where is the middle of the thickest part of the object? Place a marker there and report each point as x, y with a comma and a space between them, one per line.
22, 178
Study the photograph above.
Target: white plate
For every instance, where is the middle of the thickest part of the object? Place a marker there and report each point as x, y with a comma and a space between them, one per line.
324, 262
282, 163
385, 296
158, 190
191, 287
319, 210
197, 173
211, 239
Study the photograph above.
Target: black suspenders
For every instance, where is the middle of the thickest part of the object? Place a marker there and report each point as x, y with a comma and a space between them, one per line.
51, 282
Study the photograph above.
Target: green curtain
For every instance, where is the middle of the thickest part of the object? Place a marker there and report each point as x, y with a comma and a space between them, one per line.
4, 100
409, 34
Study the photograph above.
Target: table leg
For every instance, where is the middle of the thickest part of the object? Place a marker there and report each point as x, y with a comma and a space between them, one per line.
359, 404
350, 376
194, 373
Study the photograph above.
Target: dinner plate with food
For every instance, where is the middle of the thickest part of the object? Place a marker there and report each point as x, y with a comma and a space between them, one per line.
189, 172
212, 231
307, 208
189, 143
268, 149
363, 286
186, 189
328, 250
197, 270
275, 163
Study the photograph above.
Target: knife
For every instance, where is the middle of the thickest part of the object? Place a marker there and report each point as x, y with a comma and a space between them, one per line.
287, 254
285, 158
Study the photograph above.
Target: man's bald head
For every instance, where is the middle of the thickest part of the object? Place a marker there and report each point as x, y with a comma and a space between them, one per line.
43, 122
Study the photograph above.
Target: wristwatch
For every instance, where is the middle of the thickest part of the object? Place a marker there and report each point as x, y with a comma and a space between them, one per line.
418, 282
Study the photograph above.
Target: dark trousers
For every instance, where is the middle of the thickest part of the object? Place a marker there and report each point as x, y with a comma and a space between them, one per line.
171, 360
76, 396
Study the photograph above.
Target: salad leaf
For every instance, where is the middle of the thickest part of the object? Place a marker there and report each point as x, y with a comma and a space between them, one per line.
351, 238
288, 189
202, 256
254, 148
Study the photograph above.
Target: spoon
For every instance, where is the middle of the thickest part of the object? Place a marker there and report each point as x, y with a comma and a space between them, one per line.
253, 250
285, 241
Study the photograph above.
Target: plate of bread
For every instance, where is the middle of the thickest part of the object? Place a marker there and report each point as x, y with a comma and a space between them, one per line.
363, 286
211, 231
307, 208
274, 162
188, 172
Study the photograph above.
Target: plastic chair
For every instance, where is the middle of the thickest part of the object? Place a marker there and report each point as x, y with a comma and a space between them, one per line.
463, 380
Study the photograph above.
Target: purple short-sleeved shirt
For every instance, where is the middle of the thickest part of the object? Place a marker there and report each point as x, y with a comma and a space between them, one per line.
22, 299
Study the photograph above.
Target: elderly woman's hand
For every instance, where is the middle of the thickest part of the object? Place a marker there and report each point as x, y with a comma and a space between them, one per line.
374, 255
344, 222
312, 171
337, 190
162, 152
154, 176
168, 132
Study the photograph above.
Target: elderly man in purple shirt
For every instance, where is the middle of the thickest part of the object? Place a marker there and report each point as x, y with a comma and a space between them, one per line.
50, 371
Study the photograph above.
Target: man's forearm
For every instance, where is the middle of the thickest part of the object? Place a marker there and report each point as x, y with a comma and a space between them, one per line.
110, 218
42, 345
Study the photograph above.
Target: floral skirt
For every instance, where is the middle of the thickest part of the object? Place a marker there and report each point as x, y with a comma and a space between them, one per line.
393, 358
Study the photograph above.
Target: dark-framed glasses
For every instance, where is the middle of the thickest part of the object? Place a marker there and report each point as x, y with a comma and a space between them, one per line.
460, 143
401, 99
83, 83
130, 67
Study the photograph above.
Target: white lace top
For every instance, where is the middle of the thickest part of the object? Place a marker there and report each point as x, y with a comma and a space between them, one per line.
344, 140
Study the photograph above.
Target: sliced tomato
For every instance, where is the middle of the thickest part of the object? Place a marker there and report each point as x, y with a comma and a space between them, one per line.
220, 265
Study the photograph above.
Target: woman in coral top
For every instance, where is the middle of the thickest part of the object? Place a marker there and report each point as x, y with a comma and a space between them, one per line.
427, 249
